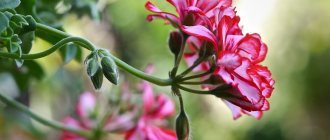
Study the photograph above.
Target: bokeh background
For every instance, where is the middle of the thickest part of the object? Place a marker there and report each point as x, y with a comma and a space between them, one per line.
297, 33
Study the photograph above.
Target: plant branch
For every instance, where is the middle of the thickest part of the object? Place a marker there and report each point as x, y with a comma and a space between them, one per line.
52, 124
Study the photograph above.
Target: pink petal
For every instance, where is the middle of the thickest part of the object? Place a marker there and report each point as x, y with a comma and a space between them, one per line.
67, 135
151, 7
165, 107
120, 123
256, 114
86, 104
148, 97
201, 33
236, 111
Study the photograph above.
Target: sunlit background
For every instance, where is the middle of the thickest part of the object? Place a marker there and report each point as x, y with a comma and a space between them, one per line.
297, 33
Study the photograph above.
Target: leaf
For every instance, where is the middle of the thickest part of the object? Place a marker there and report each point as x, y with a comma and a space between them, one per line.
34, 69
4, 22
9, 4
26, 7
68, 52
27, 41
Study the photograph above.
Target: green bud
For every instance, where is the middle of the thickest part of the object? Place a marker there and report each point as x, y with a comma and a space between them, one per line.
110, 69
92, 66
97, 79
182, 126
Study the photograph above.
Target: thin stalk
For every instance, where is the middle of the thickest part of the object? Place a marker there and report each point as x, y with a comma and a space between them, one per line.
195, 76
52, 124
84, 43
141, 74
196, 63
192, 90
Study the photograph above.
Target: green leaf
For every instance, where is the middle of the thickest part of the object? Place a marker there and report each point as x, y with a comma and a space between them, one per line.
34, 69
92, 66
27, 41
68, 52
9, 4
4, 22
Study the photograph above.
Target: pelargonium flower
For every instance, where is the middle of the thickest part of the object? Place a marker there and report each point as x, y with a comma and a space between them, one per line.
87, 111
190, 12
156, 108
238, 61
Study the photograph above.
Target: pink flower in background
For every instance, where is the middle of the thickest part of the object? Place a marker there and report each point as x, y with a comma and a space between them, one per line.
87, 111
150, 126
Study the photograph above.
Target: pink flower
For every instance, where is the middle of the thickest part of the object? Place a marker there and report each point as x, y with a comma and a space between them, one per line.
190, 12
155, 110
87, 111
238, 58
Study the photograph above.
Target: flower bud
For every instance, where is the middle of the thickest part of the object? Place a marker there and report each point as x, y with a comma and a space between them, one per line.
110, 69
175, 42
92, 66
223, 91
182, 126
206, 50
97, 79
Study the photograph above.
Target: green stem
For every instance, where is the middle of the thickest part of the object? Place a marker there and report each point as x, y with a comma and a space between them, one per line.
196, 63
195, 76
140, 74
84, 43
193, 82
52, 124
192, 90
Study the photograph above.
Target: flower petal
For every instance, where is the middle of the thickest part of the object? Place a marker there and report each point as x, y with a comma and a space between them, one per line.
201, 32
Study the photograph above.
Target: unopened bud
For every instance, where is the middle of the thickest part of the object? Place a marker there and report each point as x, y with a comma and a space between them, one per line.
97, 79
182, 126
92, 66
222, 91
206, 50
110, 69
175, 42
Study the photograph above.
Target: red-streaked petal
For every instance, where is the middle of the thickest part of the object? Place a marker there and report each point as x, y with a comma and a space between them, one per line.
201, 32
151, 7
156, 133
165, 107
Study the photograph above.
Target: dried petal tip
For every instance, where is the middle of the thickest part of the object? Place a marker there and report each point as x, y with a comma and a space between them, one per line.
110, 70
182, 126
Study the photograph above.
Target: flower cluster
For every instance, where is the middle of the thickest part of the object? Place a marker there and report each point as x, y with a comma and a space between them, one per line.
212, 26
149, 125
88, 113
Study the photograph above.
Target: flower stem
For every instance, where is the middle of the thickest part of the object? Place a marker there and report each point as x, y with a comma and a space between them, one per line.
84, 43
140, 74
192, 90
52, 124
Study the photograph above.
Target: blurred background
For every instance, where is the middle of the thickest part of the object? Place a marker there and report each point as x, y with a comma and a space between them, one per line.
296, 31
